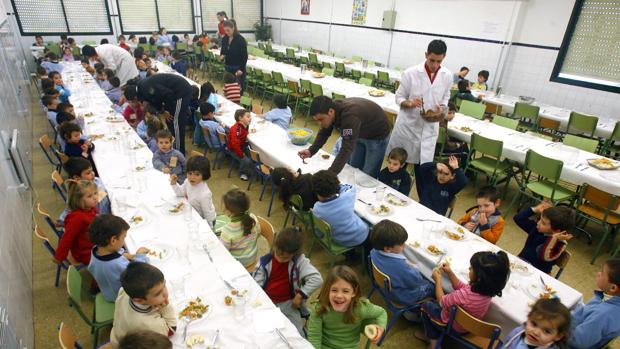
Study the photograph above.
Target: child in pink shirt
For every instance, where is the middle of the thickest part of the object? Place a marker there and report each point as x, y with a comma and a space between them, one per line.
488, 274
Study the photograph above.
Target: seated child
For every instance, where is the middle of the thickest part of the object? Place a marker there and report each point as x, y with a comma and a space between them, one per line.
547, 326
163, 54
546, 238
465, 92
483, 76
114, 93
485, 220
454, 146
68, 55
232, 89
460, 75
488, 274
51, 103
47, 86
438, 190
178, 63
288, 277
102, 79
240, 236
195, 187
207, 94
59, 85
281, 114
144, 340
133, 111
409, 286
142, 68
340, 315
51, 63
294, 183
596, 323
238, 141
166, 159
141, 128
208, 122
66, 107
86, 65
395, 173
153, 126
82, 204
142, 303
76, 145
336, 206
109, 257
78, 168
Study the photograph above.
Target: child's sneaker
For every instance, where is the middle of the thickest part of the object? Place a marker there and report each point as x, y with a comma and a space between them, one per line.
243, 177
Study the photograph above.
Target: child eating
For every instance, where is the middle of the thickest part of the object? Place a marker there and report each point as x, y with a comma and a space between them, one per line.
485, 220
59, 85
395, 173
81, 169
547, 326
208, 122
195, 187
75, 145
439, 184
166, 159
240, 235
483, 77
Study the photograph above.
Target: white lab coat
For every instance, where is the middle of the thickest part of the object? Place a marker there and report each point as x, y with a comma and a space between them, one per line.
411, 132
119, 60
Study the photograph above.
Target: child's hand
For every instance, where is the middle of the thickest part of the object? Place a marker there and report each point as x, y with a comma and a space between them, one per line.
543, 205
380, 331
437, 275
166, 116
445, 267
173, 179
453, 162
84, 147
166, 170
142, 250
297, 300
129, 256
563, 235
482, 219
470, 226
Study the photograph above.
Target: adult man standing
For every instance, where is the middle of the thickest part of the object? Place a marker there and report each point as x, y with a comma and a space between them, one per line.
423, 98
113, 57
364, 129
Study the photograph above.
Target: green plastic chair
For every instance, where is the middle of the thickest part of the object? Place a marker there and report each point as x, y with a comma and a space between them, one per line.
611, 145
316, 90
340, 70
505, 122
336, 96
356, 58
356, 74
585, 144
313, 60
267, 86
366, 81
326, 65
181, 46
280, 85
54, 47
545, 183
296, 208
76, 52
306, 90
103, 311
475, 110
485, 158
581, 124
246, 102
527, 115
369, 75
322, 233
290, 56
328, 71
89, 42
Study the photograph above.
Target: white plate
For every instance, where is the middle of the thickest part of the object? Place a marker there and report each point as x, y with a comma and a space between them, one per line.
395, 200
169, 209
159, 252
520, 268
182, 304
145, 220
463, 235
442, 250
533, 290
376, 209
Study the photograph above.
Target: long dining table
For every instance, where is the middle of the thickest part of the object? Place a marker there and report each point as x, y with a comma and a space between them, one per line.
182, 244
424, 227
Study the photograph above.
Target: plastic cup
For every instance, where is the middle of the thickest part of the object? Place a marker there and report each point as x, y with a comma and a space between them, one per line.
187, 212
239, 308
379, 193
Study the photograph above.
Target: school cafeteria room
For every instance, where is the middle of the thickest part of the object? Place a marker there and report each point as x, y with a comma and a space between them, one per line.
328, 174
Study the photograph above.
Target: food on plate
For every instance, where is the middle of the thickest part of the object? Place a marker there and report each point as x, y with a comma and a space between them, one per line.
376, 93
604, 163
434, 250
318, 75
195, 309
140, 168
460, 230
548, 293
228, 300
325, 156
114, 119
136, 219
395, 200
455, 235
381, 209
194, 340
96, 136
371, 332
465, 129
177, 208
252, 130
520, 267
157, 253
347, 61
89, 114
137, 146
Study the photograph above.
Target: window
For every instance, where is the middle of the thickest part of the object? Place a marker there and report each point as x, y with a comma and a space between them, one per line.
62, 16
588, 55
210, 8
244, 12
146, 16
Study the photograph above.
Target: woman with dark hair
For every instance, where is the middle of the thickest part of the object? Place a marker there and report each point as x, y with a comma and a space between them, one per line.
234, 52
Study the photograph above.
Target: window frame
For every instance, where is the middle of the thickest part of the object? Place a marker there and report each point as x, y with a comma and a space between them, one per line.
68, 32
232, 14
120, 21
559, 62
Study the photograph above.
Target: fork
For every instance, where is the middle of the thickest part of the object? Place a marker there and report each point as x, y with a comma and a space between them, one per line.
427, 220
204, 247
279, 333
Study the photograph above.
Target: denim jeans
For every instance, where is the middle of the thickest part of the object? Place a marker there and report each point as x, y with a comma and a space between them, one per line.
432, 309
368, 155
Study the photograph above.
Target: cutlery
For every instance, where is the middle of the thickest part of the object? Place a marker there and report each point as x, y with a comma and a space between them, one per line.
427, 220
283, 338
217, 334
204, 247
584, 168
185, 329
364, 202
544, 284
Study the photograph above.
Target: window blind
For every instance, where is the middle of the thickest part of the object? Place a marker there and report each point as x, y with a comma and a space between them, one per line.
40, 16
210, 8
138, 16
176, 15
95, 20
247, 12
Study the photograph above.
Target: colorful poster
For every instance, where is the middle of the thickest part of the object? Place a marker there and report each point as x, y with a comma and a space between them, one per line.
305, 7
359, 12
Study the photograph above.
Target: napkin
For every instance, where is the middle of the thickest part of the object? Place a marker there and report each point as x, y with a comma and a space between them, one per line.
267, 320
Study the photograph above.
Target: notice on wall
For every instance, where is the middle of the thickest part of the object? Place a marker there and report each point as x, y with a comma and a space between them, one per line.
358, 16
305, 7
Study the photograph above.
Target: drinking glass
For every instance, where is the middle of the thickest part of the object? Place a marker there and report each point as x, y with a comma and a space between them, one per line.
192, 227
379, 193
239, 308
187, 211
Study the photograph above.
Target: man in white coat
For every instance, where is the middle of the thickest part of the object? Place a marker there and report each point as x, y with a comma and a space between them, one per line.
113, 57
423, 98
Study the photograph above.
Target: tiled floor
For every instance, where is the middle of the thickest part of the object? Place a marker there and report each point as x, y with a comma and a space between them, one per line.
50, 305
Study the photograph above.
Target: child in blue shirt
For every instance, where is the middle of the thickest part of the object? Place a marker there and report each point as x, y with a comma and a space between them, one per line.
409, 286
207, 95
178, 63
114, 93
596, 323
109, 257
208, 122
547, 326
336, 206
395, 173
51, 103
281, 115
59, 85
166, 159
153, 125
439, 183
142, 128
52, 64
76, 145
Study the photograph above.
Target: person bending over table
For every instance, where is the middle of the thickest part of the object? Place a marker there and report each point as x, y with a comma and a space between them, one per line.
170, 92
113, 57
234, 52
364, 129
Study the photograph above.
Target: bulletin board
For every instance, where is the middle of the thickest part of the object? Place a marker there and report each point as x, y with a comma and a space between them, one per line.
358, 16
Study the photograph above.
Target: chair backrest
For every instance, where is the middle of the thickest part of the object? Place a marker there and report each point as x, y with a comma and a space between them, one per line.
312, 57
222, 137
563, 260
305, 85
326, 65
66, 337
476, 326
473, 109
505, 122
381, 279
356, 74
290, 53
195, 153
340, 67
254, 155
267, 78
293, 86
365, 81
581, 124
369, 75
585, 144
322, 230
539, 135
54, 47
45, 142
181, 46
548, 124
48, 218
316, 89
246, 102
383, 76
486, 146
600, 198
337, 96
526, 111
544, 166
615, 135
74, 286
356, 58
278, 78
328, 71
266, 229
57, 178
297, 202
40, 234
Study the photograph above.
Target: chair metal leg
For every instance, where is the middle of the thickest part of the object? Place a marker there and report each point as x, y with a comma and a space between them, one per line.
262, 191
58, 268
250, 180
288, 213
388, 327
273, 194
600, 244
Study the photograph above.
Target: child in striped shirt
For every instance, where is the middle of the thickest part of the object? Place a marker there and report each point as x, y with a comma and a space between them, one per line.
488, 274
240, 235
232, 89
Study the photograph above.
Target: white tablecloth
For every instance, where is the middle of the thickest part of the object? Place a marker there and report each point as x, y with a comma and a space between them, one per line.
576, 169
186, 266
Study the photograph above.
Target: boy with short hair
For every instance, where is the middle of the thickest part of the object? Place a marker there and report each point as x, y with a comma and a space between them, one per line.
596, 323
153, 125
142, 303
546, 238
78, 168
460, 75
114, 93
465, 92
144, 340
395, 173
483, 77
178, 63
51, 103
75, 145
409, 286
288, 277
336, 206
232, 89
142, 128
281, 114
66, 107
51, 63
167, 159
238, 141
108, 258
485, 219
207, 121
